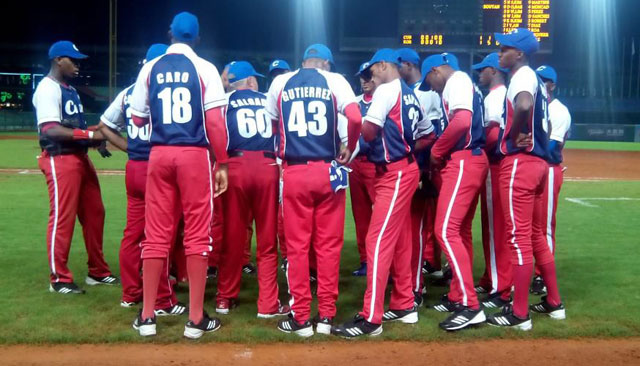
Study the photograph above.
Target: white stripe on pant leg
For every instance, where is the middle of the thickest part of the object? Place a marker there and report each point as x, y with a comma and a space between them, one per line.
550, 197
419, 270
492, 244
286, 272
444, 234
377, 250
55, 218
211, 193
513, 220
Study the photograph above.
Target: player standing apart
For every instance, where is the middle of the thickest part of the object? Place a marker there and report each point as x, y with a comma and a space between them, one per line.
392, 125
560, 122
496, 280
183, 98
252, 193
305, 105
72, 182
523, 176
463, 165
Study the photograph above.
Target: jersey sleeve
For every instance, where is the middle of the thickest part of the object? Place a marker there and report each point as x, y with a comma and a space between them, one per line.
493, 107
423, 128
139, 102
273, 94
524, 80
384, 98
459, 94
47, 101
113, 117
430, 102
341, 90
560, 123
214, 95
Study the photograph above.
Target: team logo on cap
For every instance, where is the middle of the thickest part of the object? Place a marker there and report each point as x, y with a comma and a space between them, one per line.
275, 63
365, 65
75, 48
541, 68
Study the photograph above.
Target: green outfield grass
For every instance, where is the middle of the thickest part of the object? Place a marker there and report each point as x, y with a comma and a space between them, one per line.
603, 145
597, 260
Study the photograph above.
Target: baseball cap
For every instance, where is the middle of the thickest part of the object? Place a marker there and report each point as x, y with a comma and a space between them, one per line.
435, 61
548, 73
520, 38
240, 70
65, 49
408, 55
384, 55
185, 27
491, 60
156, 50
362, 68
318, 50
279, 65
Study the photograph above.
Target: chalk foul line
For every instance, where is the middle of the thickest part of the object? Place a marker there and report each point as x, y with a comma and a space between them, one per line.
583, 201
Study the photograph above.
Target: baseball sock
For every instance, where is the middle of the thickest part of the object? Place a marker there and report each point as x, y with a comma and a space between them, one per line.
151, 272
197, 270
521, 277
551, 281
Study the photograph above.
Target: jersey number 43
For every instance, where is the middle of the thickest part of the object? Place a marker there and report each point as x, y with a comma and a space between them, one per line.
297, 121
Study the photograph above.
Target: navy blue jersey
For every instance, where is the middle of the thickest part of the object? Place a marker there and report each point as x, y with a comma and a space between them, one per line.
176, 104
460, 93
248, 125
364, 107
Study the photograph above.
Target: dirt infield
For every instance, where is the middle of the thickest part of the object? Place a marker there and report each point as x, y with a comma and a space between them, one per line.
495, 352
601, 164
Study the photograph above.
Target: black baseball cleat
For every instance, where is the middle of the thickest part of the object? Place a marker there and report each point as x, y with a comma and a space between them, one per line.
284, 264
463, 317
289, 325
445, 305
429, 270
480, 290
323, 324
106, 280
418, 299
555, 312
249, 269
177, 309
407, 316
494, 301
212, 272
506, 318
66, 288
206, 325
356, 328
145, 327
537, 286
361, 271
283, 310
128, 304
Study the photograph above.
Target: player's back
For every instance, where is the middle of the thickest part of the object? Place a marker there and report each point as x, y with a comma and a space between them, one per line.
138, 146
248, 125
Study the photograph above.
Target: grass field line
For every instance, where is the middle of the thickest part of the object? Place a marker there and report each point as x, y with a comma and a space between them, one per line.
583, 200
36, 171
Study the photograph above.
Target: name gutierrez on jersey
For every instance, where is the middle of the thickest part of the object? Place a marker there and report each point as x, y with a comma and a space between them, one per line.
243, 102
306, 92
172, 77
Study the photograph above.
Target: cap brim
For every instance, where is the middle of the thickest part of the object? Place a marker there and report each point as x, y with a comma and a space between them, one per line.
424, 85
479, 66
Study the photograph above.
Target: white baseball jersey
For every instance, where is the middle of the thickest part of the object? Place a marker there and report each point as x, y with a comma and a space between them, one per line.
560, 120
494, 105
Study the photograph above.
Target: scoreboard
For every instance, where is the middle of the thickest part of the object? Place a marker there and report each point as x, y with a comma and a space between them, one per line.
470, 24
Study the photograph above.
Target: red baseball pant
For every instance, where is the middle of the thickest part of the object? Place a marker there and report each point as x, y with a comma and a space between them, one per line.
462, 179
74, 190
313, 213
551, 194
497, 255
362, 190
432, 251
252, 193
389, 240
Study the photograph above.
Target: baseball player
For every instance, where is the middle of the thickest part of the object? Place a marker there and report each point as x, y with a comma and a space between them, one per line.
72, 182
523, 176
278, 67
462, 165
182, 96
392, 125
560, 122
252, 193
424, 199
118, 118
363, 175
496, 280
304, 105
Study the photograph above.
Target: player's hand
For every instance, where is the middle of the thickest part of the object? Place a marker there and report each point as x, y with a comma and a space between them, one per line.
102, 149
524, 140
435, 162
222, 181
344, 156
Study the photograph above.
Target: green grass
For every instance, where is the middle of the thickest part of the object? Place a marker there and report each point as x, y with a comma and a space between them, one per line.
597, 260
603, 145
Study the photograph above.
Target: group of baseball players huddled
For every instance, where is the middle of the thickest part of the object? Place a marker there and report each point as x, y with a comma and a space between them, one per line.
211, 157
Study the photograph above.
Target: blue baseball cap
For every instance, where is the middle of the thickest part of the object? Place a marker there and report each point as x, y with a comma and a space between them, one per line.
279, 65
408, 55
65, 49
318, 50
384, 55
156, 50
362, 68
548, 73
491, 60
520, 38
434, 61
240, 70
185, 27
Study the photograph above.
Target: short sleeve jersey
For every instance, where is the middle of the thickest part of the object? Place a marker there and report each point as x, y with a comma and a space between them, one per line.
248, 124
560, 121
174, 91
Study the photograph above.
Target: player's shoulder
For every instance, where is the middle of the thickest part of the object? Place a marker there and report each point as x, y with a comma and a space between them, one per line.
281, 80
524, 74
47, 85
461, 78
558, 106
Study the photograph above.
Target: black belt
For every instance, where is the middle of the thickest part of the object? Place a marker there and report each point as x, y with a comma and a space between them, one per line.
305, 162
237, 153
382, 167
66, 151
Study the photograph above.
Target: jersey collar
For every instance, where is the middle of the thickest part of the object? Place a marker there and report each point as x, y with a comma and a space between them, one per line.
181, 48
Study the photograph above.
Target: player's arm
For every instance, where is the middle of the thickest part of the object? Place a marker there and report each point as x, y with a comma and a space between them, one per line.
521, 112
112, 120
459, 125
381, 103
214, 106
348, 105
492, 133
139, 100
113, 136
57, 132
